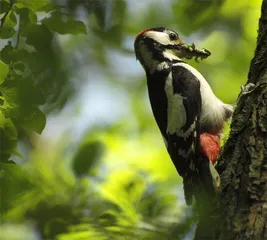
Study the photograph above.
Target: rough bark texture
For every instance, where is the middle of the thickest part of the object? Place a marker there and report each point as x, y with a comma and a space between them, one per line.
242, 209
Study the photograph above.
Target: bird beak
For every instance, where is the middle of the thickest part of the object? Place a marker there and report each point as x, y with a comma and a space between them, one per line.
178, 48
180, 41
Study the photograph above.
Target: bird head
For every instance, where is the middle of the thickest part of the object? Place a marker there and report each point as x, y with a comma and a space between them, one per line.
157, 44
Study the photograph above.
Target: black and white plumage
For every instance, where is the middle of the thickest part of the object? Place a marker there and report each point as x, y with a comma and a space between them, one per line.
182, 102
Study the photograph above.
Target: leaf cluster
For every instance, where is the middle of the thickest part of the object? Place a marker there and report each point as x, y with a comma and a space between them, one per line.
31, 70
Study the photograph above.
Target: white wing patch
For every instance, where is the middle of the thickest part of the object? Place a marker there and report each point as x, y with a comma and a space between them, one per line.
212, 108
176, 111
186, 134
150, 63
183, 153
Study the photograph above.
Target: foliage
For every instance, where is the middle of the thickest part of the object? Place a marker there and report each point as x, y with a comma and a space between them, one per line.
116, 182
31, 74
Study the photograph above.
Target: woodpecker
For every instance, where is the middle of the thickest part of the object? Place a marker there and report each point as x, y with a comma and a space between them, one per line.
189, 116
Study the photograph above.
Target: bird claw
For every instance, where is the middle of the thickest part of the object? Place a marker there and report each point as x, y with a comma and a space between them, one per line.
250, 88
247, 89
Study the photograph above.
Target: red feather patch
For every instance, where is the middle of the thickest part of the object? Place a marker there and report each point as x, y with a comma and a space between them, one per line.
210, 145
142, 32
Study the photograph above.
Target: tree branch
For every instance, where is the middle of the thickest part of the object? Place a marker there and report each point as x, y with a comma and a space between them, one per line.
242, 208
2, 20
259, 62
18, 34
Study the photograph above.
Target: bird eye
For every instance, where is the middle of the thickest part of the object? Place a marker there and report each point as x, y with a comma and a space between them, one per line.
173, 36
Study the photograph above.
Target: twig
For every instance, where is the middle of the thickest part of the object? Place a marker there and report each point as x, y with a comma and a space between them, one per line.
18, 36
2, 20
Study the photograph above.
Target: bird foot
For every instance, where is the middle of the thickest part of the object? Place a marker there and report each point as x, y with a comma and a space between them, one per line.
247, 89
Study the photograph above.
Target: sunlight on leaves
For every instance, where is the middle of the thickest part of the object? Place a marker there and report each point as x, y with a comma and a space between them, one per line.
4, 6
34, 5
61, 23
108, 176
36, 120
3, 71
7, 30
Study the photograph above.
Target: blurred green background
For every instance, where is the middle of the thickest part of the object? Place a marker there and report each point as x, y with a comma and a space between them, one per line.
81, 155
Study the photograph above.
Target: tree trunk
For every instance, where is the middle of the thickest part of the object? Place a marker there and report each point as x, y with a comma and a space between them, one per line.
242, 209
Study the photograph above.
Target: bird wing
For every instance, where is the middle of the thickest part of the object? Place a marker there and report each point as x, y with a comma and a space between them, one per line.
184, 106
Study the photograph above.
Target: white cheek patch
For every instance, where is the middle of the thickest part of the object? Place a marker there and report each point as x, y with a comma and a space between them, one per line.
160, 37
169, 54
149, 62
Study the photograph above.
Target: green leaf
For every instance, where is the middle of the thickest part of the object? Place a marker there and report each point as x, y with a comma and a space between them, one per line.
7, 30
38, 36
2, 120
204, 12
9, 128
32, 4
10, 92
50, 7
19, 67
5, 108
16, 153
8, 137
60, 23
4, 69
86, 157
13, 182
21, 91
75, 27
10, 20
27, 17
9, 54
4, 6
35, 121
6, 53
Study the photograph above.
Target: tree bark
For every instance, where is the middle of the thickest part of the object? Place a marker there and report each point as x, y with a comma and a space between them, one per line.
242, 207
